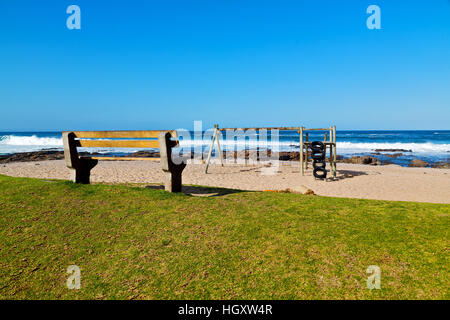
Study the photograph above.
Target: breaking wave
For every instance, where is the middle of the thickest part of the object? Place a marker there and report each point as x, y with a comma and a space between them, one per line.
33, 140
12, 143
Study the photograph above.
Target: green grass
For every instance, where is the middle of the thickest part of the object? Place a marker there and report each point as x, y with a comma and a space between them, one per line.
140, 243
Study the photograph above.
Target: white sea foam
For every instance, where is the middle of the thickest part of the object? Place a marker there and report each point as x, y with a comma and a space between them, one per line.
12, 140
15, 143
427, 147
343, 147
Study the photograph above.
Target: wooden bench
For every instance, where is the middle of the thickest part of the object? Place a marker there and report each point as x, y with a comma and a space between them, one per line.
81, 166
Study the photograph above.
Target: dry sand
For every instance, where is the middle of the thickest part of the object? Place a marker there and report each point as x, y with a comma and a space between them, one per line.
388, 182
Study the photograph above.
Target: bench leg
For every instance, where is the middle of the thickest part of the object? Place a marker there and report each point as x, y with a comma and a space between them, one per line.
172, 171
173, 181
82, 173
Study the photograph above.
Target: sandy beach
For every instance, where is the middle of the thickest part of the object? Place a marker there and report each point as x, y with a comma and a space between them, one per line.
389, 182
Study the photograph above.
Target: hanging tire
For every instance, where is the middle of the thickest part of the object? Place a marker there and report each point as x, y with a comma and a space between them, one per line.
320, 173
318, 156
317, 145
319, 165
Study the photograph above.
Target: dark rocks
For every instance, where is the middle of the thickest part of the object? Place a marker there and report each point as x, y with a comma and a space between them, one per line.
284, 157
363, 160
263, 155
392, 150
294, 156
145, 154
393, 155
370, 160
442, 165
388, 155
32, 156
418, 163
260, 155
38, 156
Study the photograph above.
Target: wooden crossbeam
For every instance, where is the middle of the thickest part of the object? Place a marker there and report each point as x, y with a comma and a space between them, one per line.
260, 128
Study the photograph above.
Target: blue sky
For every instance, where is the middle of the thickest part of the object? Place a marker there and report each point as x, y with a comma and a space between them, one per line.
164, 64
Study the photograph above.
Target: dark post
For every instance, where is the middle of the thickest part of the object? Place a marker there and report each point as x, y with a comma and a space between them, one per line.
80, 169
172, 171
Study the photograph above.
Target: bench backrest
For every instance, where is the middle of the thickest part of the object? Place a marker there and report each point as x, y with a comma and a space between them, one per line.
113, 139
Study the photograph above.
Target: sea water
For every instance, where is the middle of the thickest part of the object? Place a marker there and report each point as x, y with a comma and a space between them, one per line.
429, 145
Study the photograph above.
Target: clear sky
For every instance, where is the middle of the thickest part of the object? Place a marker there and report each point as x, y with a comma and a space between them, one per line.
163, 64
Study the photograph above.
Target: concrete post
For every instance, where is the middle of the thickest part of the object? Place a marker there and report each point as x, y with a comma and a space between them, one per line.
172, 171
80, 169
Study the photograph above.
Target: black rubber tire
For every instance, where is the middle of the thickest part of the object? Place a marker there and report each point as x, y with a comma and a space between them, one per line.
318, 156
319, 165
317, 145
317, 150
321, 175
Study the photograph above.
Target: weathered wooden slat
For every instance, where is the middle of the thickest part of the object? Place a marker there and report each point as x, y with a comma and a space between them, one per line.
317, 129
118, 143
122, 158
260, 128
121, 134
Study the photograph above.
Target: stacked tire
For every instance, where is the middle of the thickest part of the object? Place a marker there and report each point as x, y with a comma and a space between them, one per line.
318, 156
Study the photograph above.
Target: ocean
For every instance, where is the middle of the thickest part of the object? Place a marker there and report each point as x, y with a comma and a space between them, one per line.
428, 145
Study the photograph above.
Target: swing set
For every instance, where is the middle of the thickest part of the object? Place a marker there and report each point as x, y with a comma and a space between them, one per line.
306, 150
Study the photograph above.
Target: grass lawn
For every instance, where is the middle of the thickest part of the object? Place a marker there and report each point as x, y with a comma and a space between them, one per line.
141, 243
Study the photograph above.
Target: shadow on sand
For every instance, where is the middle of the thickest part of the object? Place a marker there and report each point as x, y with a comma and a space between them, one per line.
347, 174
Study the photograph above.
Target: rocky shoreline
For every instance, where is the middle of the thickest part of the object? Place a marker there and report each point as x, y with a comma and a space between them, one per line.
32, 156
285, 156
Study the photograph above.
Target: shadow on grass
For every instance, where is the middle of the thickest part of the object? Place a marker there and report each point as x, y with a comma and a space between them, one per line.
199, 191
